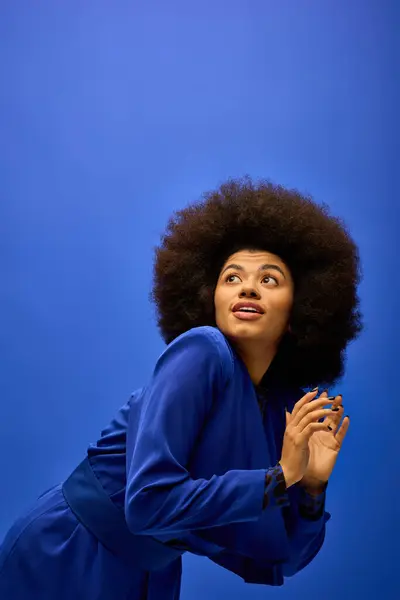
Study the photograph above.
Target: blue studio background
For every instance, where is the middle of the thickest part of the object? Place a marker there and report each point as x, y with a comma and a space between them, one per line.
115, 114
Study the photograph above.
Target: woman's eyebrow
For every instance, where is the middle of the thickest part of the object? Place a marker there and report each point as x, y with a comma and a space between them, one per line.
262, 268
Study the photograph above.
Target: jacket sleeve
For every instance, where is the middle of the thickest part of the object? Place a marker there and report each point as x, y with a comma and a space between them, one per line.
305, 520
163, 426
304, 549
249, 569
253, 569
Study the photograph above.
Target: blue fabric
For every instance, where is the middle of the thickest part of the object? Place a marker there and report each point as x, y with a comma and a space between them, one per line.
189, 461
92, 506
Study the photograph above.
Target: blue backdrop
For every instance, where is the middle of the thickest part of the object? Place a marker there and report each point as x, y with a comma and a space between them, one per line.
113, 115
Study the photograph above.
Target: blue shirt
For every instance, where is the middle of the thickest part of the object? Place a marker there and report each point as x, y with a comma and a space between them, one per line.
190, 460
193, 462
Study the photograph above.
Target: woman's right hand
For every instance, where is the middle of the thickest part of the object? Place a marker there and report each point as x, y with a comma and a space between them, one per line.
300, 425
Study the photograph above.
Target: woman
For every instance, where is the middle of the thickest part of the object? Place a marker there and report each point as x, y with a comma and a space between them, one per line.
221, 453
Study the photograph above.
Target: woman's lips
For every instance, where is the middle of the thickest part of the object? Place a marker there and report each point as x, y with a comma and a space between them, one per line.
247, 316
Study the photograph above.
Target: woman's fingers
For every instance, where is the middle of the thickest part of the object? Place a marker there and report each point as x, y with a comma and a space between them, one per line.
311, 428
309, 407
312, 417
302, 402
334, 419
341, 434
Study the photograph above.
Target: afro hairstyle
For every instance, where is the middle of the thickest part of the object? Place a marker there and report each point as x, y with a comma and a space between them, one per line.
261, 216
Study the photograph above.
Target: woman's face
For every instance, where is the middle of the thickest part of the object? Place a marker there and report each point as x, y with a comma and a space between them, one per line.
258, 277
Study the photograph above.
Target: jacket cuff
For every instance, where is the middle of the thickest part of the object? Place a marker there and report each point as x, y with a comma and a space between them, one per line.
275, 491
311, 507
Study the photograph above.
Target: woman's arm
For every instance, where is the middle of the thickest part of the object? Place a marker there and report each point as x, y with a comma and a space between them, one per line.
245, 554
161, 497
305, 541
305, 520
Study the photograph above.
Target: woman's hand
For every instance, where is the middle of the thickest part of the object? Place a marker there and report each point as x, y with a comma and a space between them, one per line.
324, 447
301, 424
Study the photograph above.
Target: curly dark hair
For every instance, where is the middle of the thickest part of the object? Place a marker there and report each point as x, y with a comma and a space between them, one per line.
317, 248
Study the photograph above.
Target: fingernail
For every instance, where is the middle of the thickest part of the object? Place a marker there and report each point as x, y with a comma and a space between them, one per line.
315, 389
331, 397
329, 427
335, 409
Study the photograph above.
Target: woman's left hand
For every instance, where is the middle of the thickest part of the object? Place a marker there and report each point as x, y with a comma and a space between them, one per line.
324, 447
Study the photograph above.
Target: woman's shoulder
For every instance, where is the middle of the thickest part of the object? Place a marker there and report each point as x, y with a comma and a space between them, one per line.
208, 342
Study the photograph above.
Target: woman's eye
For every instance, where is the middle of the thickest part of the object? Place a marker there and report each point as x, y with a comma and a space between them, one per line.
266, 277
